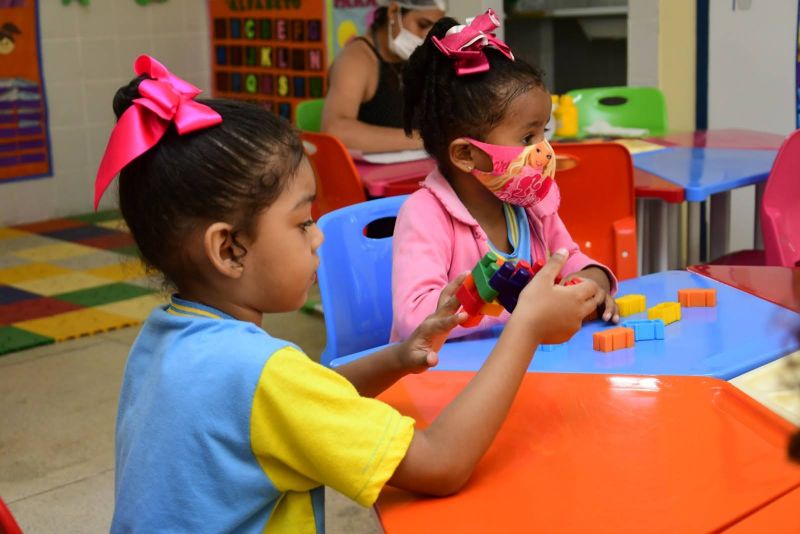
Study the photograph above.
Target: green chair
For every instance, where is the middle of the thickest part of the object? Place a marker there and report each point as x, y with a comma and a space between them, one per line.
626, 107
308, 115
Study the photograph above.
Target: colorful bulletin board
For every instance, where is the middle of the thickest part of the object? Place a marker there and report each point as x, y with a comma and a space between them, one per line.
348, 19
271, 52
24, 143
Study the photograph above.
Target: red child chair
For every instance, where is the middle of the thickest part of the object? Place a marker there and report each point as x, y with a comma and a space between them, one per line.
338, 182
7, 523
597, 202
780, 216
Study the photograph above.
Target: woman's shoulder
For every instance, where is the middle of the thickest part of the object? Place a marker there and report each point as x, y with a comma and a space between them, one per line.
358, 50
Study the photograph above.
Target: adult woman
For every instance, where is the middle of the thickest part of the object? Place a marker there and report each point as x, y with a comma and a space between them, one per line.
364, 104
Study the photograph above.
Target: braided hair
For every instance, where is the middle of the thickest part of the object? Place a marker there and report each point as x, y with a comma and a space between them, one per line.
444, 106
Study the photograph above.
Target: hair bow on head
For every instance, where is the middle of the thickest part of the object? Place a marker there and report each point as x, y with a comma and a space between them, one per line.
165, 99
465, 44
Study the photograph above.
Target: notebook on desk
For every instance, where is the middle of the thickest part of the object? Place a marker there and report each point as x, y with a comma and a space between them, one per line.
383, 158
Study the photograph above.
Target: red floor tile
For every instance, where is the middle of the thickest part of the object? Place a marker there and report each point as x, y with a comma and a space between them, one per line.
34, 309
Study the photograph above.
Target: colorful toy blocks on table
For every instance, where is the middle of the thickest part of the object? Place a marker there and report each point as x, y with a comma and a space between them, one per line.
631, 304
697, 298
646, 329
669, 312
613, 339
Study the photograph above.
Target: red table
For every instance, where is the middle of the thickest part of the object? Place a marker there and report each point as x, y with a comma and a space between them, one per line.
781, 516
604, 453
780, 285
379, 179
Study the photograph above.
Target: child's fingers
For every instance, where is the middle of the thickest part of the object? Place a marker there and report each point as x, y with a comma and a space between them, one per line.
553, 266
447, 298
611, 312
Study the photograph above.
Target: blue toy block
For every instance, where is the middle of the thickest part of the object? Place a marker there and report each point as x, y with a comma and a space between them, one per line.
646, 329
550, 348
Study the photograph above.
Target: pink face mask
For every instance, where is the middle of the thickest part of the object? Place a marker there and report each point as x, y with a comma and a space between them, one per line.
521, 175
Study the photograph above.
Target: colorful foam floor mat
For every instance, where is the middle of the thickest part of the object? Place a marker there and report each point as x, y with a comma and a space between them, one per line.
67, 278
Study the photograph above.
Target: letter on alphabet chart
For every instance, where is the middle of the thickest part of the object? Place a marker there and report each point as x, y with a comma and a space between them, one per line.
283, 85
236, 29
282, 57
298, 30
220, 28
267, 85
285, 110
298, 59
315, 87
223, 80
299, 87
250, 55
266, 29
281, 31
315, 59
314, 30
266, 56
236, 82
250, 29
251, 83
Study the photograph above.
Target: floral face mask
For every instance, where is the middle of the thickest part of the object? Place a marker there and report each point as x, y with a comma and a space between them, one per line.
521, 175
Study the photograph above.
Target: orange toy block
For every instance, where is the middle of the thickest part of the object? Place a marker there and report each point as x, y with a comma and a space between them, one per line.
492, 308
613, 339
697, 298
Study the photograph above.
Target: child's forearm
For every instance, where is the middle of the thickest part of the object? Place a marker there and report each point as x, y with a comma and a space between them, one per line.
373, 374
597, 275
462, 433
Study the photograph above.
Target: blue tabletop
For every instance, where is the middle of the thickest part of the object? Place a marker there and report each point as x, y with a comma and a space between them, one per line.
705, 171
741, 333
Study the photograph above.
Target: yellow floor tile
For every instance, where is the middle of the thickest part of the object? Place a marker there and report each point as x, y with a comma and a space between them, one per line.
127, 270
31, 271
76, 324
64, 283
54, 252
8, 233
137, 308
116, 224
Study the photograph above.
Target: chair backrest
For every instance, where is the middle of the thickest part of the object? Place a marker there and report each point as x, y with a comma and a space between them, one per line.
355, 278
627, 107
780, 208
338, 182
597, 202
308, 114
8, 525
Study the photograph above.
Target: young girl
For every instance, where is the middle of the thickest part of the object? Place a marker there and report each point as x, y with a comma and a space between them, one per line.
222, 427
482, 115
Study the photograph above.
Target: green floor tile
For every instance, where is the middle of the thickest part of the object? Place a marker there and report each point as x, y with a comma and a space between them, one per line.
13, 339
97, 296
100, 216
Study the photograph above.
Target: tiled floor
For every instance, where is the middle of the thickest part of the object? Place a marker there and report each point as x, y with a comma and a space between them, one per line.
57, 408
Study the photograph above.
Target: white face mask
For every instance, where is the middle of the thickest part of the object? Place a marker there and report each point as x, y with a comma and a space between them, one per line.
405, 43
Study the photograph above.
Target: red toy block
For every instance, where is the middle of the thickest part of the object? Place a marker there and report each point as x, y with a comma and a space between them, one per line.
697, 298
472, 320
573, 281
613, 339
467, 295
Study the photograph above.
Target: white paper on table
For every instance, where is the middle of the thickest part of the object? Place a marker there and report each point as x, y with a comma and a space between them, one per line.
602, 127
400, 156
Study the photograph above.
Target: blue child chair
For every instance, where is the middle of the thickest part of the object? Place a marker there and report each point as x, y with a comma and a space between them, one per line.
355, 278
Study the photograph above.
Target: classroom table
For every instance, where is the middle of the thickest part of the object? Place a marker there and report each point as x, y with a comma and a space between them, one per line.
741, 333
780, 285
379, 178
781, 516
708, 173
603, 453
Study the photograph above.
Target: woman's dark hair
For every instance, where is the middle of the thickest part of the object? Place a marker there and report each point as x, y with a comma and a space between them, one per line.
381, 17
229, 172
444, 106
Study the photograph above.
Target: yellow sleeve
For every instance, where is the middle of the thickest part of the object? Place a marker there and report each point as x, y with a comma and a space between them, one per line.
310, 427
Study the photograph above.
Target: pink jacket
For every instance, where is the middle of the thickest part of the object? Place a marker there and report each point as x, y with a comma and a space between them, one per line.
436, 239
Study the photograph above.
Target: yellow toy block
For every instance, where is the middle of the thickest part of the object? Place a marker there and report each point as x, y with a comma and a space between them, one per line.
669, 312
631, 304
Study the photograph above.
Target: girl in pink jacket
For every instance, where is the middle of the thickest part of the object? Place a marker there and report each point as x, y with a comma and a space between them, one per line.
482, 115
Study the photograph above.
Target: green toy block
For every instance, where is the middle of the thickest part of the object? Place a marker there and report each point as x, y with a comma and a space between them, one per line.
482, 273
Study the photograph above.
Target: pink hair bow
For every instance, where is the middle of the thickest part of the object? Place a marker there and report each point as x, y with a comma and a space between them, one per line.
164, 99
465, 44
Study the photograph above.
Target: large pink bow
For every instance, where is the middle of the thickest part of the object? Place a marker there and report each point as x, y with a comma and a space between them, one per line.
465, 44
165, 99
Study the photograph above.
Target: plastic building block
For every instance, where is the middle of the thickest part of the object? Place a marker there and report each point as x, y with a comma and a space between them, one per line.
483, 272
613, 339
669, 312
493, 308
550, 348
468, 296
646, 329
631, 304
697, 298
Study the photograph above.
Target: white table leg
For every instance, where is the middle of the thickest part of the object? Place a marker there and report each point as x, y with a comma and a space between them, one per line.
674, 232
693, 233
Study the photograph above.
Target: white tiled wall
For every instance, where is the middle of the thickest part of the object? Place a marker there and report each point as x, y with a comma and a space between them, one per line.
87, 54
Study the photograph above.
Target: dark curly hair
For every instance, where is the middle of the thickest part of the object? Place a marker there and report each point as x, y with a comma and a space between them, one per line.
229, 172
444, 106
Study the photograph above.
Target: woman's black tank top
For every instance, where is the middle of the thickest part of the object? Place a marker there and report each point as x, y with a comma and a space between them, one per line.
385, 108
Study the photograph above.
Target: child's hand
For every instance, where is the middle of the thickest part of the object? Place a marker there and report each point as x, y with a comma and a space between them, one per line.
556, 312
608, 305
424, 344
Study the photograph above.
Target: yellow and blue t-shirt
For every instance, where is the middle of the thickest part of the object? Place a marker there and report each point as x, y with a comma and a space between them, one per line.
518, 232
222, 427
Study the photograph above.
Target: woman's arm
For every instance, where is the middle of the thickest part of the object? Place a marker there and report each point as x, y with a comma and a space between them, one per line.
353, 79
